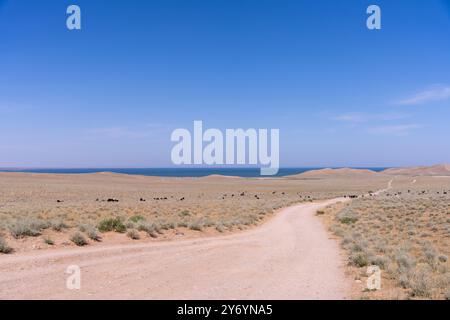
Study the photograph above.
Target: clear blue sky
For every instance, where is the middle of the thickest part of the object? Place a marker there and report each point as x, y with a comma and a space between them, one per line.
110, 94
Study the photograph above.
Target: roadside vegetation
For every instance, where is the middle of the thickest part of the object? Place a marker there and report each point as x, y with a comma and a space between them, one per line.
4, 247
406, 232
101, 207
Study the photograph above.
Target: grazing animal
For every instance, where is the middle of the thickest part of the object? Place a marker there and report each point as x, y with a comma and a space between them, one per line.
182, 199
59, 201
112, 200
142, 199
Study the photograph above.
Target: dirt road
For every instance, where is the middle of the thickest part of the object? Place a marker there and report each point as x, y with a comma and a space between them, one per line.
289, 257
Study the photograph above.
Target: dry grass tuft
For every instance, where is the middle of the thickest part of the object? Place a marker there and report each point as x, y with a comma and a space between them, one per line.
407, 234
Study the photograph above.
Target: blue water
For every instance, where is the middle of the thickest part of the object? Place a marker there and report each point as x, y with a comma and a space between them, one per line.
176, 172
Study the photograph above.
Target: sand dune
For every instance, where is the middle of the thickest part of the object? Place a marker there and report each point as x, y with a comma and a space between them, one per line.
436, 170
220, 176
325, 173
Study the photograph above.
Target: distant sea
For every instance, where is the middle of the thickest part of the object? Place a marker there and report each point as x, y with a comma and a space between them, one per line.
178, 172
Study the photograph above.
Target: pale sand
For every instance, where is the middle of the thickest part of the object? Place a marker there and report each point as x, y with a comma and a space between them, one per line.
289, 257
217, 204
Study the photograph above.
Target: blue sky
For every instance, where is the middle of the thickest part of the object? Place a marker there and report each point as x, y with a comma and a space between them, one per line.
111, 94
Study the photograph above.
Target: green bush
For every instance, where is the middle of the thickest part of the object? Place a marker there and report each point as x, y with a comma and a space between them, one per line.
382, 262
359, 259
421, 283
149, 228
78, 239
196, 226
49, 241
220, 227
91, 231
93, 234
182, 224
112, 224
4, 248
28, 227
137, 218
185, 213
348, 220
58, 225
347, 217
133, 234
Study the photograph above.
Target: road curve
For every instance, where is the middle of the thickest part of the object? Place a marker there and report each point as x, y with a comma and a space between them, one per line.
289, 257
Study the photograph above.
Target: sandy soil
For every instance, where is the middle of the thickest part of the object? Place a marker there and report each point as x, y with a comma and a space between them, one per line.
289, 257
405, 231
178, 207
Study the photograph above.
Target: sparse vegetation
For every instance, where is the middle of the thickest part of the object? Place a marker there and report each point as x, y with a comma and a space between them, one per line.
112, 224
149, 228
30, 208
4, 248
405, 233
133, 234
220, 227
28, 227
347, 217
137, 218
49, 241
58, 225
197, 226
93, 233
78, 239
185, 213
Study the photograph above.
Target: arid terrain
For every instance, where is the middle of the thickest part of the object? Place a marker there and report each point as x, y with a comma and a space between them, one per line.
405, 231
39, 211
289, 257
186, 237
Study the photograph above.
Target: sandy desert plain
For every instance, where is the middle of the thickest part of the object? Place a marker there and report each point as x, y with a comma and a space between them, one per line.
191, 235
